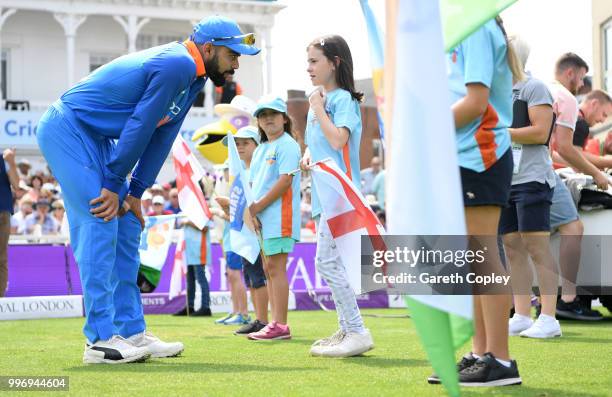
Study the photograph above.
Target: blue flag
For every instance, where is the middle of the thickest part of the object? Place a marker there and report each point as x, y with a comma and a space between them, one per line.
242, 233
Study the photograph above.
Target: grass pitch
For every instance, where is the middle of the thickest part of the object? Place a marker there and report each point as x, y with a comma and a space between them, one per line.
217, 363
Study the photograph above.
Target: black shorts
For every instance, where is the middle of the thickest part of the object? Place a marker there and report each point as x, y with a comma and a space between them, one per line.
490, 187
254, 276
528, 209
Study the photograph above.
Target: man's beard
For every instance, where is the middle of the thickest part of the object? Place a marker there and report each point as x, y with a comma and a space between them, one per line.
213, 72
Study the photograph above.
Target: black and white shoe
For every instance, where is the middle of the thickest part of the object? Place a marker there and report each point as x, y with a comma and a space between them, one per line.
115, 350
577, 310
466, 361
487, 371
156, 347
254, 326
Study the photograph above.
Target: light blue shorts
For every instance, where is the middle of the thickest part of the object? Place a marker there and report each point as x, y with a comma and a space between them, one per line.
563, 210
279, 245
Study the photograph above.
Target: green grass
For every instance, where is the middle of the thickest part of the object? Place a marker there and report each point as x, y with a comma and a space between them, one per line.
215, 362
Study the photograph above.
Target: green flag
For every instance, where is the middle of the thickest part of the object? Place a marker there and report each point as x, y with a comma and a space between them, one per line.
460, 18
441, 334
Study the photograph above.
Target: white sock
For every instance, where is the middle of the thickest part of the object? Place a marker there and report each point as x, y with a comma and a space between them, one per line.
546, 318
521, 317
503, 362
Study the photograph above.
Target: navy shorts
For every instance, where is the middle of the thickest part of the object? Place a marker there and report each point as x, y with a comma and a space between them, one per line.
489, 187
254, 276
528, 209
233, 260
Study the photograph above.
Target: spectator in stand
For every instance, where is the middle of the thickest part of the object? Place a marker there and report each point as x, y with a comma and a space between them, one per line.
146, 202
157, 190
58, 210
24, 167
173, 203
21, 191
41, 220
18, 225
368, 175
8, 179
167, 187
228, 91
158, 207
36, 183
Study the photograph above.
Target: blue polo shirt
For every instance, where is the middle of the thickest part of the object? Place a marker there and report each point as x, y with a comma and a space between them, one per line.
481, 58
140, 99
343, 110
270, 161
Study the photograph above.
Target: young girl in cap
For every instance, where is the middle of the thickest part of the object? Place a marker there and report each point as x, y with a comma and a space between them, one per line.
247, 139
333, 130
240, 313
276, 209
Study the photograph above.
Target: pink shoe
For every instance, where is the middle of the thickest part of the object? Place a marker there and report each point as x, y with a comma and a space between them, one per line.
271, 331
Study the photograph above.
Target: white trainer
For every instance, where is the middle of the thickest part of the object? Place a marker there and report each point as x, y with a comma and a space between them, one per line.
352, 344
518, 323
155, 346
115, 350
543, 328
315, 349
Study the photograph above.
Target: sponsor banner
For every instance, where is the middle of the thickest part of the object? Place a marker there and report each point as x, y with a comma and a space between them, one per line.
322, 298
18, 129
41, 307
220, 302
39, 270
58, 273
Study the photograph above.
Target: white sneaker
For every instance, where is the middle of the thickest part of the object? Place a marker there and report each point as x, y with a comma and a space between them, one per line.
353, 344
518, 323
155, 346
116, 350
315, 349
543, 328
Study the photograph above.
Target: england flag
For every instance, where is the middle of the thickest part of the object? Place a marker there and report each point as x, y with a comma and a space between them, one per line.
348, 216
188, 174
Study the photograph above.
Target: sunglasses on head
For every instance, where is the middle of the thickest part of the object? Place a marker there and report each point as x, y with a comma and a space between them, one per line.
248, 39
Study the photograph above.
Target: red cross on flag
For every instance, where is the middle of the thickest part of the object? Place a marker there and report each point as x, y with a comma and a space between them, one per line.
348, 216
188, 173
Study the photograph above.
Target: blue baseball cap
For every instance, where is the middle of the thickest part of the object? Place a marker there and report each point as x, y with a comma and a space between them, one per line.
222, 31
246, 132
270, 102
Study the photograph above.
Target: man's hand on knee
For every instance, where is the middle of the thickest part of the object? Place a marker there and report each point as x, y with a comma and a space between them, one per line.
108, 205
135, 206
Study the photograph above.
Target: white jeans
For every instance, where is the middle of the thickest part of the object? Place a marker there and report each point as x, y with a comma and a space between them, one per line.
330, 267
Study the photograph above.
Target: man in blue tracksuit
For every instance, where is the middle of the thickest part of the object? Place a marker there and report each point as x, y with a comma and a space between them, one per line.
140, 100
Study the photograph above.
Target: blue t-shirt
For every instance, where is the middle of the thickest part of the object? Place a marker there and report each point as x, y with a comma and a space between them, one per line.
343, 110
481, 58
141, 99
270, 161
6, 196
